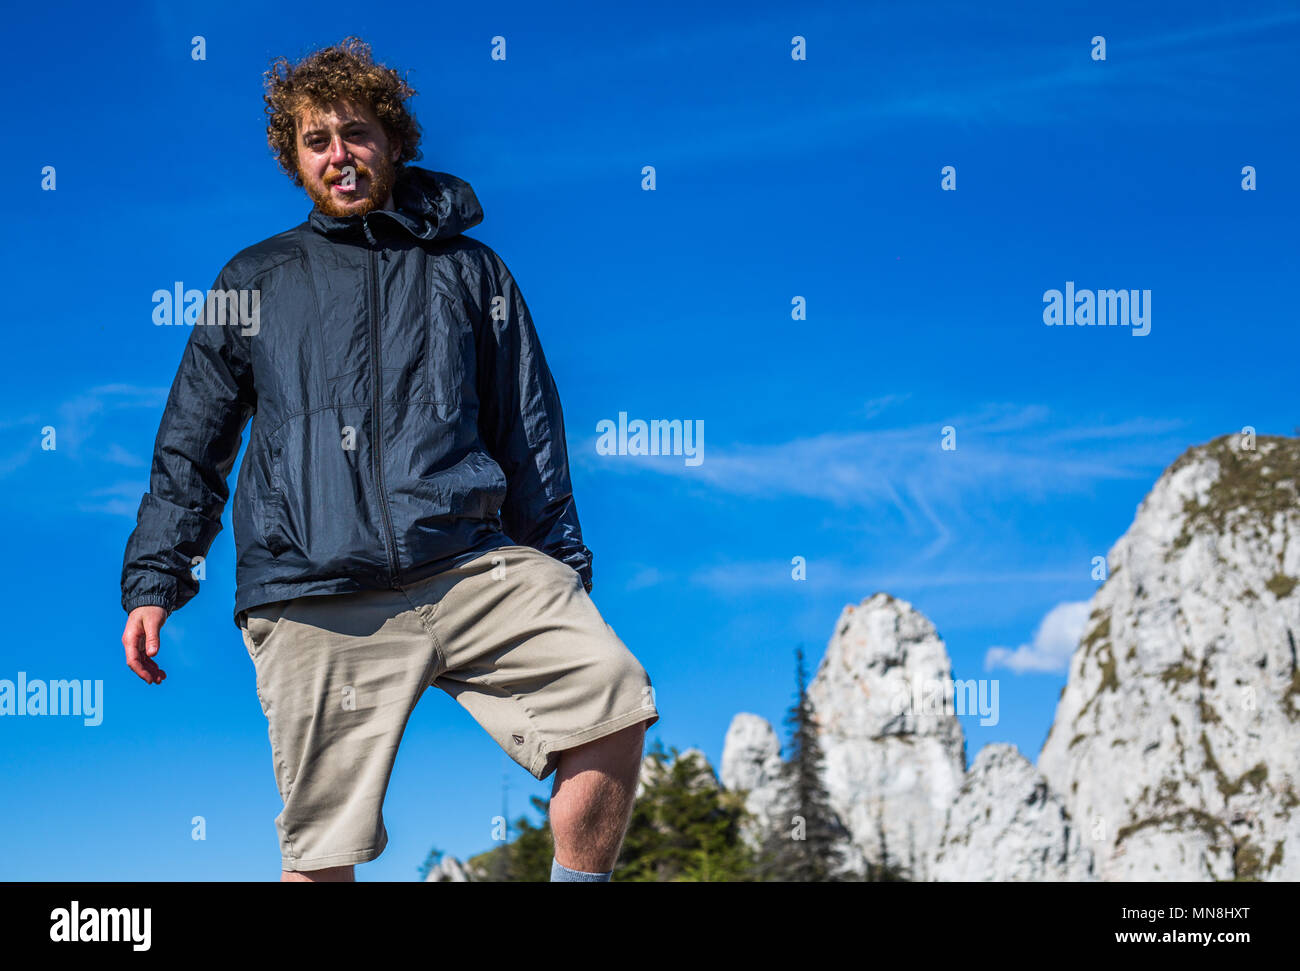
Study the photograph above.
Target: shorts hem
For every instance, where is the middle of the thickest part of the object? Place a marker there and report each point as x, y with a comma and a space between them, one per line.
333, 859
644, 713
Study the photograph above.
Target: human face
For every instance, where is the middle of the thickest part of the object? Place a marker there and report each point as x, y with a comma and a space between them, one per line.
345, 161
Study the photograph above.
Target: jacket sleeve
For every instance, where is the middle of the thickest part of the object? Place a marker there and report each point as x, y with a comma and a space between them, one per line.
522, 425
210, 402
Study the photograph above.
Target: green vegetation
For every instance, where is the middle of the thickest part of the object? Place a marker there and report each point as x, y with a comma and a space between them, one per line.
1204, 821
1253, 485
686, 828
804, 842
1281, 585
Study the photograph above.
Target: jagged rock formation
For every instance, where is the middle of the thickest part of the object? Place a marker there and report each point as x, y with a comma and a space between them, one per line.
448, 870
1175, 741
892, 769
751, 763
1173, 753
1007, 825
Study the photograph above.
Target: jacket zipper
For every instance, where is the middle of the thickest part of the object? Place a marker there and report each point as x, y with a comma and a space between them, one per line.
376, 448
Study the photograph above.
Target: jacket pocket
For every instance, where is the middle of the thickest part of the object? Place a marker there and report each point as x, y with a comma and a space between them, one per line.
277, 541
449, 343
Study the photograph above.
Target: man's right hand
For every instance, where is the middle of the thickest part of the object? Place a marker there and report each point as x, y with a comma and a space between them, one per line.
140, 638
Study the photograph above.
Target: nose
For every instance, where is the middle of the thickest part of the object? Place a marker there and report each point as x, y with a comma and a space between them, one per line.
338, 153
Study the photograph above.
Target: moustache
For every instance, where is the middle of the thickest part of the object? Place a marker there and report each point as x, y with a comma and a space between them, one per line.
361, 172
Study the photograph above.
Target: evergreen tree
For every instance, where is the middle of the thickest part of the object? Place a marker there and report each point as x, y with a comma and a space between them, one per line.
430, 861
533, 847
882, 870
804, 841
526, 858
685, 827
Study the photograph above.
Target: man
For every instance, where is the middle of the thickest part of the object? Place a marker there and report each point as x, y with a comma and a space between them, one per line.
403, 516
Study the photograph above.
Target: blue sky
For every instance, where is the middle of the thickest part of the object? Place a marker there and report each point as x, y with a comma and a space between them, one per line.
776, 178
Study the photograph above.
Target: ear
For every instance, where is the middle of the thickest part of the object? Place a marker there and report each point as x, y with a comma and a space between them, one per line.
396, 151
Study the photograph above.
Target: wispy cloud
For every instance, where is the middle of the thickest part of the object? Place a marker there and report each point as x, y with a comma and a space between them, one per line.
1002, 452
120, 456
1188, 72
749, 577
874, 406
119, 499
645, 577
75, 422
1052, 646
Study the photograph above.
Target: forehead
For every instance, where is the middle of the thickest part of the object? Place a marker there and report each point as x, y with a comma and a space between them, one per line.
316, 117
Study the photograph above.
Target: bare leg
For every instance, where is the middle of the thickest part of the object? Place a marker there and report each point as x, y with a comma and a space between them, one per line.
333, 874
591, 802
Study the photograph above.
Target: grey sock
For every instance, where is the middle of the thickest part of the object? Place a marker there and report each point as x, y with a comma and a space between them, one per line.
562, 874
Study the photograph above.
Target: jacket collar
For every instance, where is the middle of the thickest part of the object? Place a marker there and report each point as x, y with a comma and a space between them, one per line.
428, 205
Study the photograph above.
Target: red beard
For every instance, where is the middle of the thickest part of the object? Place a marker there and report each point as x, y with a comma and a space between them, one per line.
380, 181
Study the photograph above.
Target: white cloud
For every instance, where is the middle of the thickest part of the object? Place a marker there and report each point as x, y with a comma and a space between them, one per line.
1002, 452
76, 421
647, 577
116, 453
1053, 645
747, 576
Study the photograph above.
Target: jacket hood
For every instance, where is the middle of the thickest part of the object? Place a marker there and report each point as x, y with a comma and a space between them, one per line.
428, 205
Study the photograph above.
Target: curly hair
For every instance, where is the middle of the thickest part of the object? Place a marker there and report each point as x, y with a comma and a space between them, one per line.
343, 71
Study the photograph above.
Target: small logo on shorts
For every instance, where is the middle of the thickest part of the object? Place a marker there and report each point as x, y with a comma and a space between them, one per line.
518, 738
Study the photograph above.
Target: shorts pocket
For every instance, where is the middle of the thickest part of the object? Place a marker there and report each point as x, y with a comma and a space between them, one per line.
260, 623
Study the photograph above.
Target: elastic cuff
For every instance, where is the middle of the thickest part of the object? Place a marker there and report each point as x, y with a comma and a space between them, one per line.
148, 600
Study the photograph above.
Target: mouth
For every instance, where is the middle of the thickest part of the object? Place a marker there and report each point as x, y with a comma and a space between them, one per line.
339, 185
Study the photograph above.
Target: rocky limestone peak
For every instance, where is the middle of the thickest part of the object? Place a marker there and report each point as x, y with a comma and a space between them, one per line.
751, 763
751, 754
1175, 739
448, 870
893, 763
893, 766
1007, 825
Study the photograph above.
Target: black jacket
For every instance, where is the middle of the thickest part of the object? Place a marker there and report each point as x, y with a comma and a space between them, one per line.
406, 418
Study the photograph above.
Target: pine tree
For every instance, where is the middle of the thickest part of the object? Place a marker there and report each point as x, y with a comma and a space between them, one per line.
804, 841
430, 861
526, 858
882, 870
684, 827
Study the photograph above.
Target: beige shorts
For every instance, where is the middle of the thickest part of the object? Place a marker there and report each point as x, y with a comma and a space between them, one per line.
511, 635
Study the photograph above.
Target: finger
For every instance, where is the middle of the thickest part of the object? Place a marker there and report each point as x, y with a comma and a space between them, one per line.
133, 662
151, 641
144, 667
130, 645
